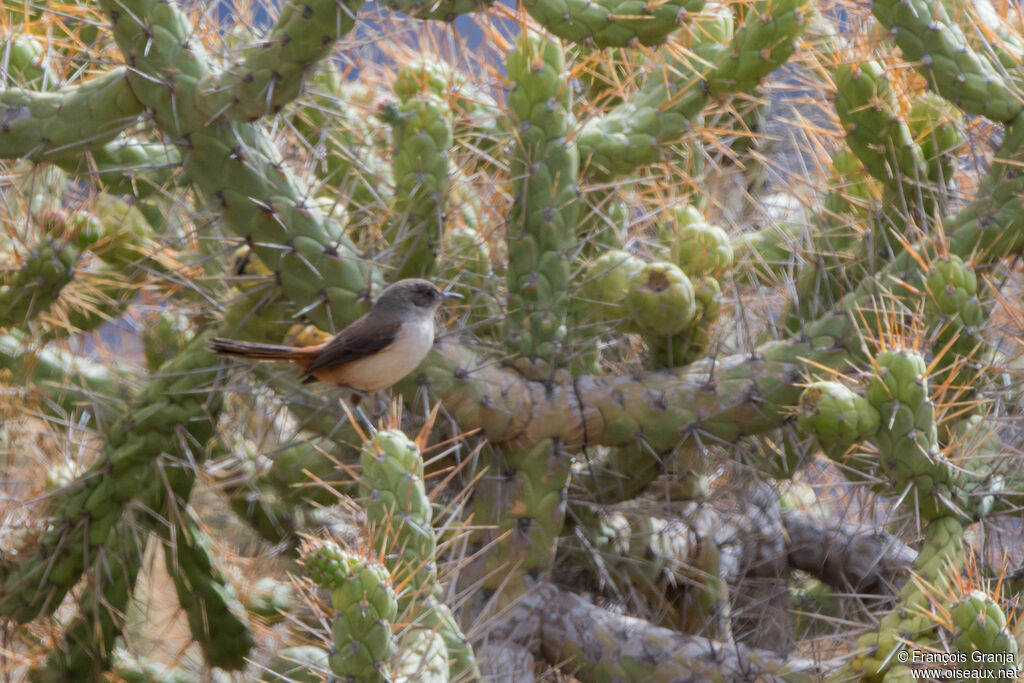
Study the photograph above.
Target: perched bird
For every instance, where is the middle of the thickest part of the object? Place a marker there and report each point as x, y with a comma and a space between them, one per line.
373, 352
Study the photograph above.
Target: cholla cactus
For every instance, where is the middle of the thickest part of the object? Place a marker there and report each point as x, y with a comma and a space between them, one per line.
638, 321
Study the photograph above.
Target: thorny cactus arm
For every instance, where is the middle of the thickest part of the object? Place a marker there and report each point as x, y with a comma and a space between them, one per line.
89, 512
939, 49
612, 23
126, 166
215, 616
88, 640
400, 515
236, 166
639, 130
51, 126
541, 229
568, 625
420, 166
365, 600
269, 74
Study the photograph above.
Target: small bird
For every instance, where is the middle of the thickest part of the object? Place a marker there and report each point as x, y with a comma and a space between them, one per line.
370, 354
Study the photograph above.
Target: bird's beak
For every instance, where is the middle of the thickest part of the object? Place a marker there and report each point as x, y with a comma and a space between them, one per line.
451, 295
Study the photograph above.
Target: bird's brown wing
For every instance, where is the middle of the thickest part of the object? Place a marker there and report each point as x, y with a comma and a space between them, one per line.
358, 340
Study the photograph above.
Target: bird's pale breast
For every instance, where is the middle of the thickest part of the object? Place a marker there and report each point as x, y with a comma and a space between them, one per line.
386, 367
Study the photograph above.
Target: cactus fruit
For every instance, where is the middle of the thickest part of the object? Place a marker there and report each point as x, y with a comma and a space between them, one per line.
606, 284
31, 289
661, 300
702, 249
836, 415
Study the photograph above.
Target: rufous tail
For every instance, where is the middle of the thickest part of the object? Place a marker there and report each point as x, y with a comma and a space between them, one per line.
256, 351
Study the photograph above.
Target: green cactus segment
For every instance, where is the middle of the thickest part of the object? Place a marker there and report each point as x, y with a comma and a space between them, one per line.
400, 514
992, 225
606, 284
661, 300
85, 653
420, 166
366, 605
440, 10
938, 48
636, 132
907, 439
126, 166
937, 128
174, 410
239, 168
466, 260
397, 506
270, 73
68, 381
541, 228
952, 309
836, 415
909, 624
989, 31
49, 126
362, 594
217, 619
532, 500
884, 143
672, 98
23, 59
612, 23
762, 43
36, 284
768, 254
982, 634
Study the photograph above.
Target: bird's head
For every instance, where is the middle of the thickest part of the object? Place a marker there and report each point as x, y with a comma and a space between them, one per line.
413, 295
